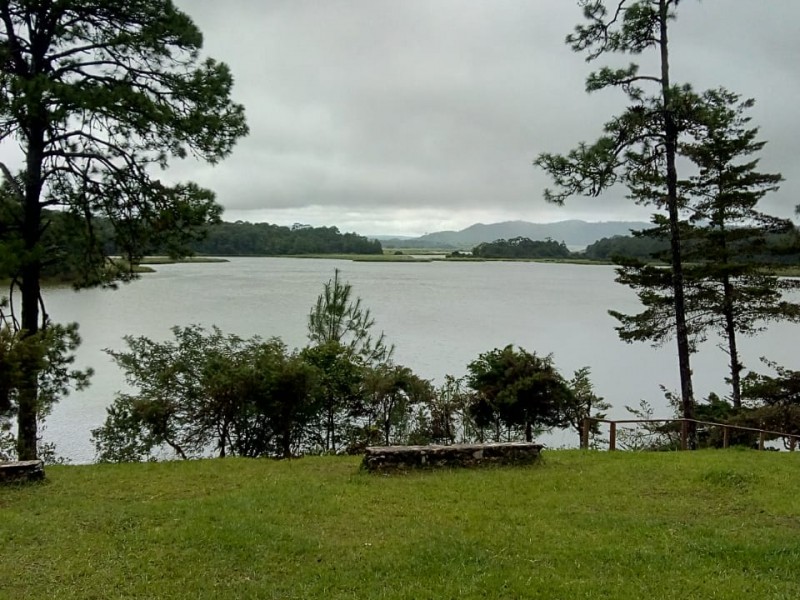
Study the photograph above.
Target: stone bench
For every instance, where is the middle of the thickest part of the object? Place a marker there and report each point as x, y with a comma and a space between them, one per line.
24, 470
399, 458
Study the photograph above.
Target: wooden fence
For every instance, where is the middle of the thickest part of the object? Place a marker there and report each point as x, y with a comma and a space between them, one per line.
612, 437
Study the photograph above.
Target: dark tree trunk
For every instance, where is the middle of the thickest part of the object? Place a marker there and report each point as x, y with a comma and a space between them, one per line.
286, 441
32, 118
330, 436
730, 319
671, 144
730, 331
285, 422
387, 423
28, 405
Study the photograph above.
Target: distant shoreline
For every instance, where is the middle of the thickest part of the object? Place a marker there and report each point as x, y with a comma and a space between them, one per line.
166, 260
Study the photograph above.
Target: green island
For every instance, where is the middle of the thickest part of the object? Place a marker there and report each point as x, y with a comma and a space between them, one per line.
705, 524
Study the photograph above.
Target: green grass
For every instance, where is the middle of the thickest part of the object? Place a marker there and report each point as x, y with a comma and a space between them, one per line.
710, 524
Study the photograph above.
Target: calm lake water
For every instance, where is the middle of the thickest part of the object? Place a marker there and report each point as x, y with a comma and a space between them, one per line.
439, 315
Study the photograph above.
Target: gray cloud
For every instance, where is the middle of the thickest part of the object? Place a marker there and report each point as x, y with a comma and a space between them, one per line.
410, 116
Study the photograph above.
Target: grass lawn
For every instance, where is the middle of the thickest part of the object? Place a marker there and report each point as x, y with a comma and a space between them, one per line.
710, 524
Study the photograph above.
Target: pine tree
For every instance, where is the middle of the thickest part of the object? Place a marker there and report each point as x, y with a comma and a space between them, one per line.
639, 147
726, 241
99, 95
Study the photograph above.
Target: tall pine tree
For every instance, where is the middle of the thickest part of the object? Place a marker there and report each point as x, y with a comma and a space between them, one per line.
99, 95
639, 147
729, 290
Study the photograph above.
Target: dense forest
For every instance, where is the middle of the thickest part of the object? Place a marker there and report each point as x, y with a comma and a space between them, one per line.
521, 247
776, 249
265, 239
628, 246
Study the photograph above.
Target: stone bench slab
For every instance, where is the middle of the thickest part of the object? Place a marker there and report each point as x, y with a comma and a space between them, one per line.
23, 470
398, 458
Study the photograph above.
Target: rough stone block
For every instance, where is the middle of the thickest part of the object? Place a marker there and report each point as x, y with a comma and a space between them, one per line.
399, 458
24, 470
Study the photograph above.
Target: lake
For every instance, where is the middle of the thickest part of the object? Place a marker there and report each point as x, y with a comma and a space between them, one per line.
439, 315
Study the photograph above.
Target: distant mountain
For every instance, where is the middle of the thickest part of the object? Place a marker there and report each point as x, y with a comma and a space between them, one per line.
573, 233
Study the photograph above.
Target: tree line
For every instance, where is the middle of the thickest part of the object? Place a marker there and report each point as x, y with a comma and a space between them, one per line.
241, 238
777, 249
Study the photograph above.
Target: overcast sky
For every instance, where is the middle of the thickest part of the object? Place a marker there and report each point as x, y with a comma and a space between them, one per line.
411, 116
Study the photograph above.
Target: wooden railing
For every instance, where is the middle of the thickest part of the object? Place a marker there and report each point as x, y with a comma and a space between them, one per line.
612, 437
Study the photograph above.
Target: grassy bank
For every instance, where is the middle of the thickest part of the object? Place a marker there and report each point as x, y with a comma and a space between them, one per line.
366, 257
419, 256
166, 260
434, 257
581, 525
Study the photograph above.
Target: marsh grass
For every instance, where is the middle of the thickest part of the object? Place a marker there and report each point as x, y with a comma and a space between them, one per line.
167, 260
721, 524
404, 258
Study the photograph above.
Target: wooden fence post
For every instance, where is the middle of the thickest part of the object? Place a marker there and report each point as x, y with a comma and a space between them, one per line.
588, 422
585, 433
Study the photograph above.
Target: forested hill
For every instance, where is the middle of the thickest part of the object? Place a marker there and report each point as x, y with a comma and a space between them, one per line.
264, 239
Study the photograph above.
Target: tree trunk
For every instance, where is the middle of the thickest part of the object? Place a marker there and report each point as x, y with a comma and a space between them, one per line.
730, 331
730, 319
222, 446
286, 439
387, 422
28, 400
331, 434
671, 144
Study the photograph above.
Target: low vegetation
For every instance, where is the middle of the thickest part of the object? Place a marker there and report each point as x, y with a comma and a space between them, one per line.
369, 257
708, 524
207, 393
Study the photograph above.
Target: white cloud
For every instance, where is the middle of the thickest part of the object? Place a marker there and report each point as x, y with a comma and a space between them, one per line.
416, 115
